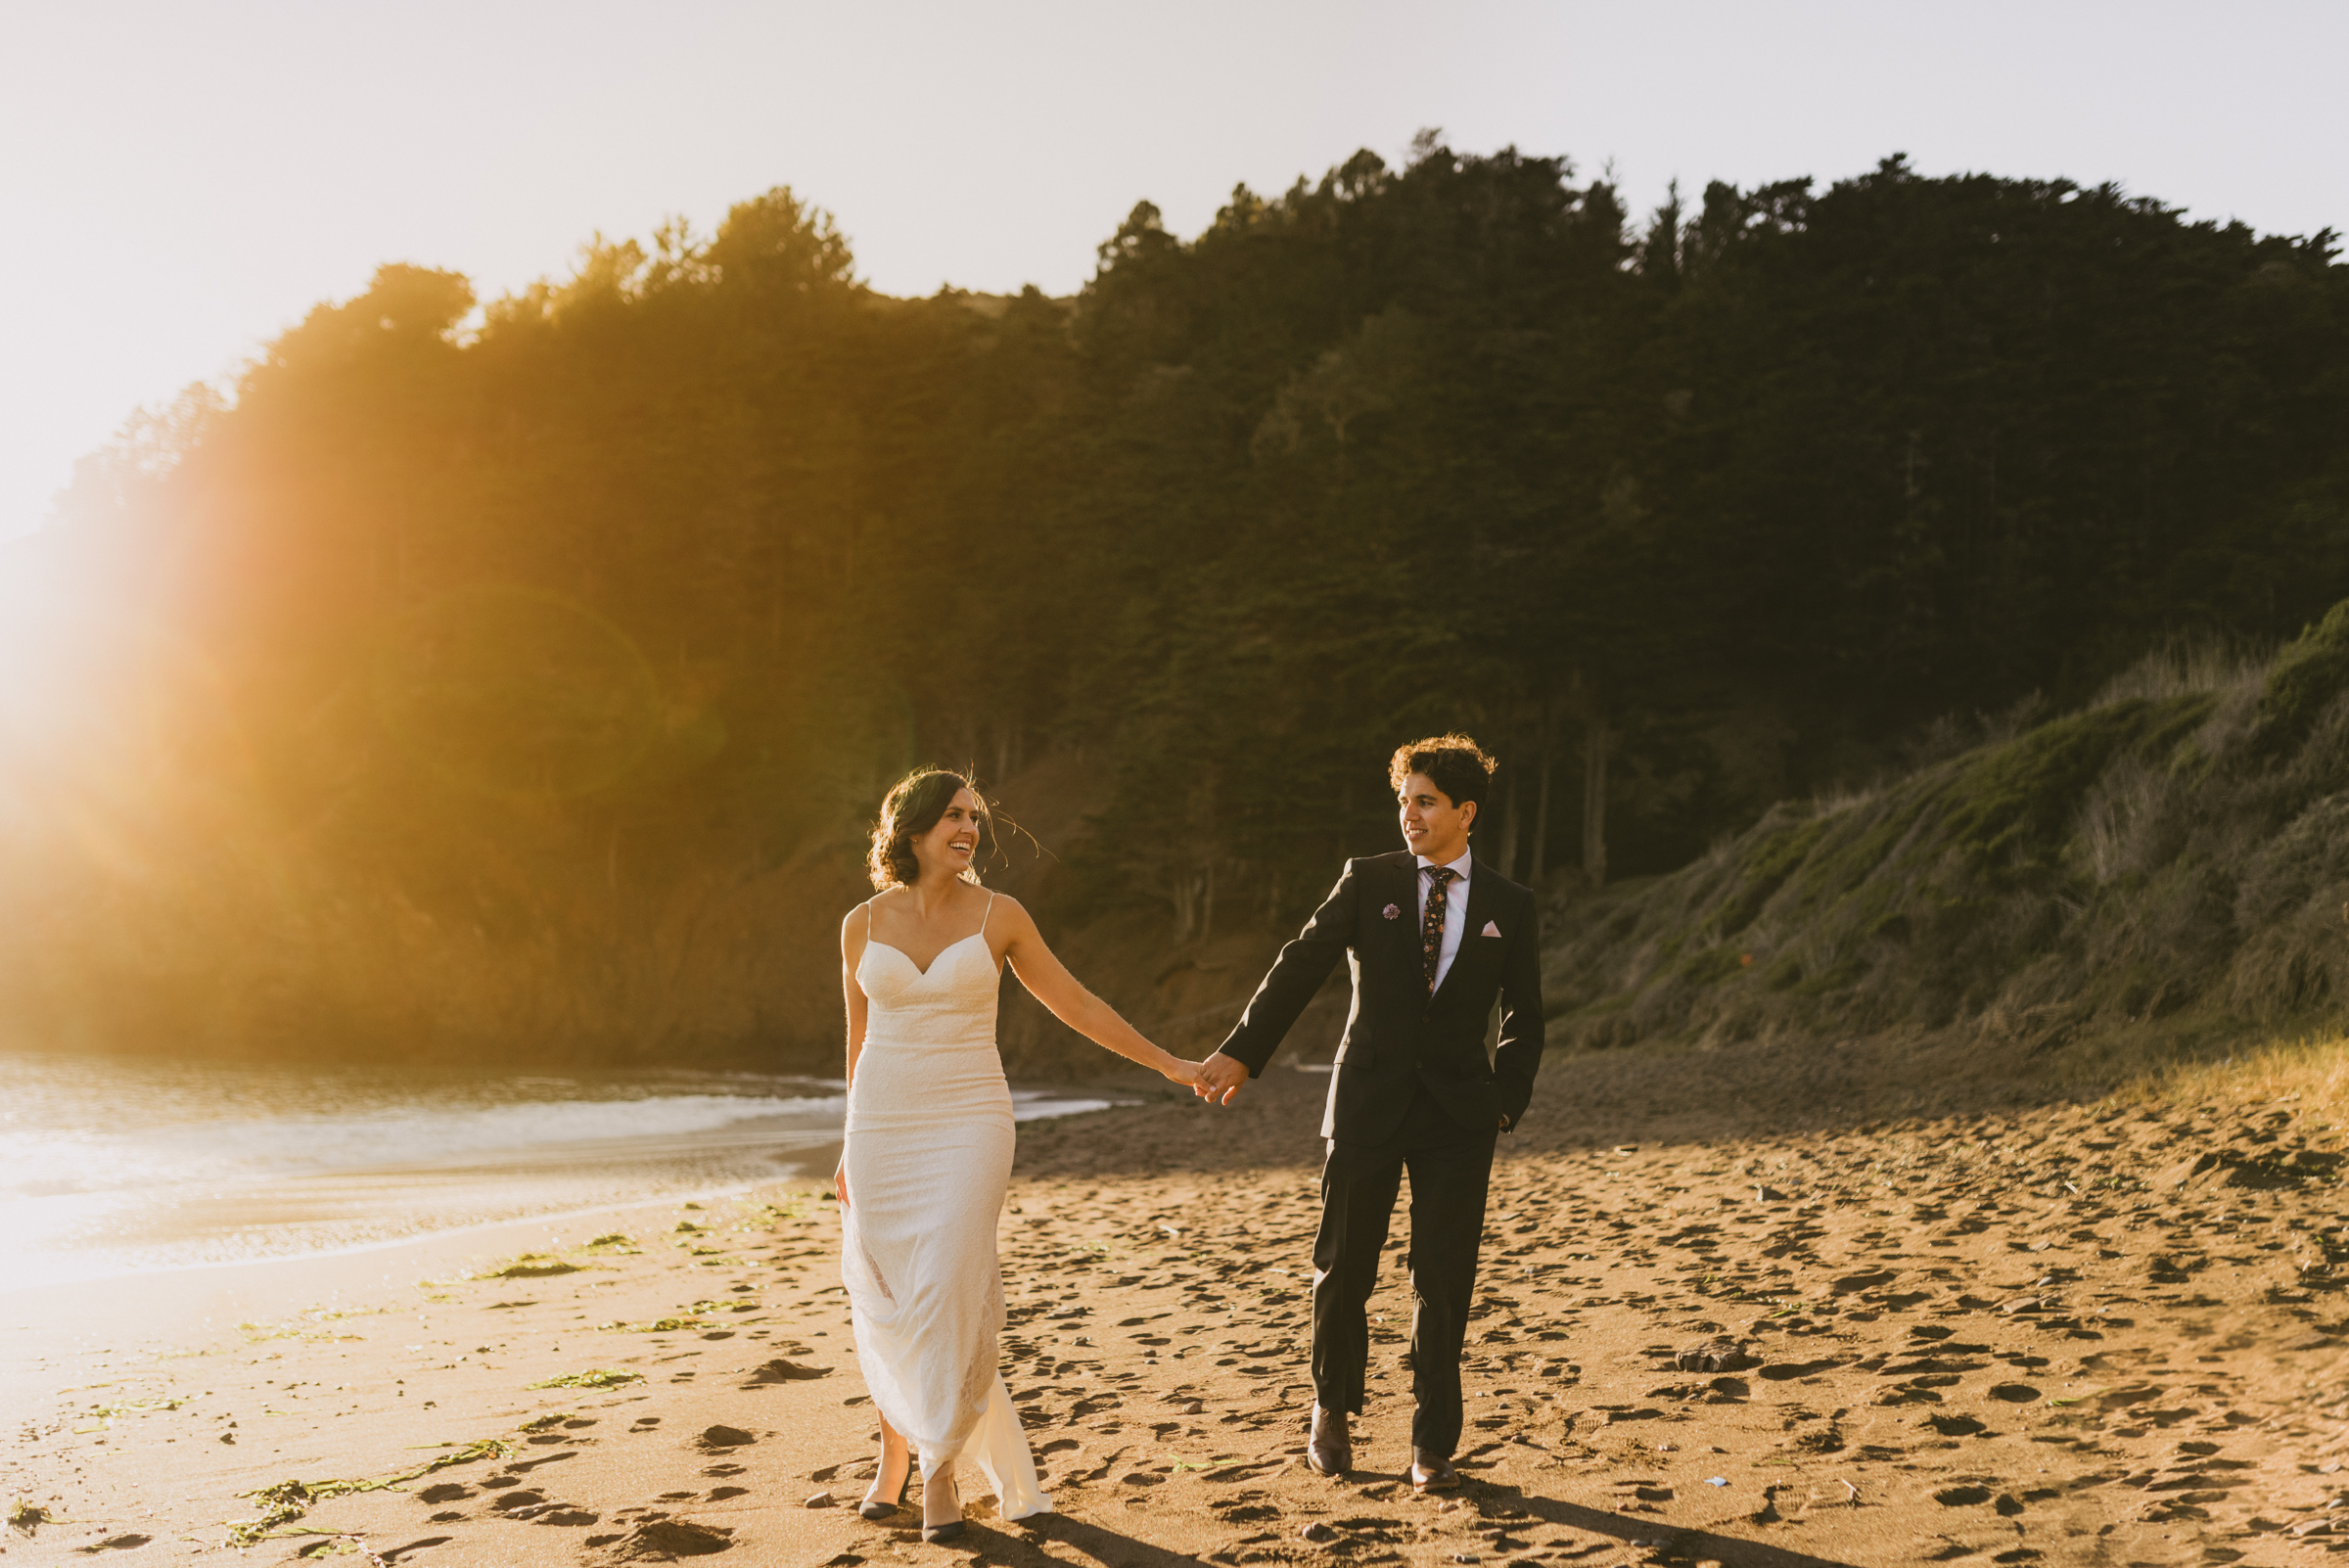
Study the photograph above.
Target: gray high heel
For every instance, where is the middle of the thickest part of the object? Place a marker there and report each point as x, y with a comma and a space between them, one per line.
877, 1511
951, 1530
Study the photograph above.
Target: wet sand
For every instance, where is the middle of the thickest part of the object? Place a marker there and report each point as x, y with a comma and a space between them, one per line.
1772, 1307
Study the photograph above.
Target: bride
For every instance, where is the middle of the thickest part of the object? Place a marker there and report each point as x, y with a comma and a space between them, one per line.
927, 1155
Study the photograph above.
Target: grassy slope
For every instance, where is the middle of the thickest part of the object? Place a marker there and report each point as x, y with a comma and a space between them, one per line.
2169, 866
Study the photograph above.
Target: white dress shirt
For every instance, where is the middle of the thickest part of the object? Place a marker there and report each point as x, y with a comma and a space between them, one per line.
1456, 908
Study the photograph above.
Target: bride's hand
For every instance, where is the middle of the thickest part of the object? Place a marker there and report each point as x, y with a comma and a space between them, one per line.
1178, 1070
839, 1183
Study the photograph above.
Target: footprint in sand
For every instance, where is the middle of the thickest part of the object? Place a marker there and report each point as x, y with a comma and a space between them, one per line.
720, 1439
664, 1541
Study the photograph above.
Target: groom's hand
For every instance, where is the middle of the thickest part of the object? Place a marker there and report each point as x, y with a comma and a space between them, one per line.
1219, 1078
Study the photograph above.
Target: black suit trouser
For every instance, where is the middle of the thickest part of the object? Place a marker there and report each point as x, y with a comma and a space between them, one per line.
1450, 1168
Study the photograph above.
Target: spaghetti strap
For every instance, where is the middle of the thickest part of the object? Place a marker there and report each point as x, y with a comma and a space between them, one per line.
988, 910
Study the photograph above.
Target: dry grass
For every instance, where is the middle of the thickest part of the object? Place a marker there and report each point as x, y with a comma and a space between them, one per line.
2312, 1072
2183, 668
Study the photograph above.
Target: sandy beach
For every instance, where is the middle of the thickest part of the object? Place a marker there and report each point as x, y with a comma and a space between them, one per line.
1762, 1306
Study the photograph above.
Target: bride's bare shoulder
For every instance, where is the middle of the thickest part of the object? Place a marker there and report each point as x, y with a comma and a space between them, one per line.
1008, 908
857, 923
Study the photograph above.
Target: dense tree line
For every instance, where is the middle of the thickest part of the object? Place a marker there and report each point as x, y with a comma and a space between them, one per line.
655, 576
1740, 500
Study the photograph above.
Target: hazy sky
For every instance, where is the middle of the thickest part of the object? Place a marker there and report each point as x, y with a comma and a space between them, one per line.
179, 182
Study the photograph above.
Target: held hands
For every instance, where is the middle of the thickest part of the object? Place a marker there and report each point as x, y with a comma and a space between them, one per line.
1219, 1078
1174, 1070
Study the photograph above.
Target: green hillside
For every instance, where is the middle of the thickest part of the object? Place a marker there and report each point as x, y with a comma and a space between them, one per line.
2168, 863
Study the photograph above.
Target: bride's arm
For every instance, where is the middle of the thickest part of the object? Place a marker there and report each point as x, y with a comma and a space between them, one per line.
855, 932
1049, 982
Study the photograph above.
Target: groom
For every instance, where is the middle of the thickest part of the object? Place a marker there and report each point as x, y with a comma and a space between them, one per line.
1435, 936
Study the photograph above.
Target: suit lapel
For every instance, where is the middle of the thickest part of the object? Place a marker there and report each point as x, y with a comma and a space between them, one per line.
1407, 935
1484, 888
1483, 884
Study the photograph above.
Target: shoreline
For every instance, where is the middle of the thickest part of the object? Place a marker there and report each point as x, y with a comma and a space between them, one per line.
9, 1292
41, 1323
182, 1225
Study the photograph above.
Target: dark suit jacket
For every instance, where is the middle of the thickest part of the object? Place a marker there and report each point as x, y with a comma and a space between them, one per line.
1399, 1040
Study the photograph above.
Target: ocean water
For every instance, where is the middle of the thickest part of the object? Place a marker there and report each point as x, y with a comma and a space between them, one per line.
111, 1167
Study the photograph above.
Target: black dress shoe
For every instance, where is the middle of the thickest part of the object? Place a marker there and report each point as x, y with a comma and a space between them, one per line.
1432, 1472
1329, 1450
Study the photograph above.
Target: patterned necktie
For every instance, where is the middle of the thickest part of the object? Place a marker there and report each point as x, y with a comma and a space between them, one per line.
1431, 923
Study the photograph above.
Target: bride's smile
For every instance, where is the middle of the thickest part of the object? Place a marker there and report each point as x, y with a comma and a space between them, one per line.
954, 840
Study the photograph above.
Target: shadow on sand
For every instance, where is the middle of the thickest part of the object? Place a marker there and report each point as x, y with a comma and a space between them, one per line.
1110, 1549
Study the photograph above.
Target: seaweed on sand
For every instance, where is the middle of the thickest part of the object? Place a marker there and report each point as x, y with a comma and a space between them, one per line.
598, 1377
28, 1517
532, 1265
290, 1499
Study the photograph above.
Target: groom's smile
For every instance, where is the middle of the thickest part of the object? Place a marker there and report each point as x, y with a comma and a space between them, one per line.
1433, 827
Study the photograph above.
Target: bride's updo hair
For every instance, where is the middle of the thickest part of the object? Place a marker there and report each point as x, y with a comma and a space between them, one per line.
912, 809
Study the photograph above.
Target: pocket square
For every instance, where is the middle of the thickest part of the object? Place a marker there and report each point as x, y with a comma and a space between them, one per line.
1491, 929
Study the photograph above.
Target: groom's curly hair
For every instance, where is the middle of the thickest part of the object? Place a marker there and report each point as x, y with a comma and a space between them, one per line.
912, 809
1455, 764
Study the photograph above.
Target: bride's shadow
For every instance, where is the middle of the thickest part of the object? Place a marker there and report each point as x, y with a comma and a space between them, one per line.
1003, 1544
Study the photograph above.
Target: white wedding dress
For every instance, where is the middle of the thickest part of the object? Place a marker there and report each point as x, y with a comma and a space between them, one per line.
929, 1159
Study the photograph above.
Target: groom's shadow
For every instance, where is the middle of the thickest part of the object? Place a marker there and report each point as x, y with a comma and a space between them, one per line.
1112, 1550
1104, 1546
1687, 1542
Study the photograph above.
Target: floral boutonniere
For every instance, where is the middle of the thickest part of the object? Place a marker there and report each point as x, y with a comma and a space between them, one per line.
1393, 911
